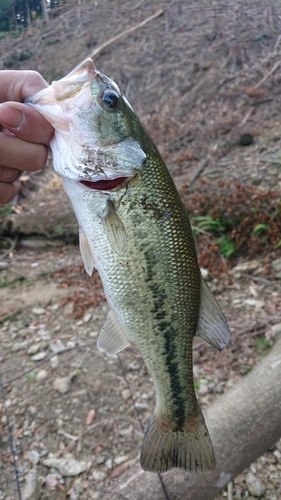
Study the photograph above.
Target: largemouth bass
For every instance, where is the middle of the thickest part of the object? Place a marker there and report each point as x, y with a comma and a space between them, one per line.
135, 230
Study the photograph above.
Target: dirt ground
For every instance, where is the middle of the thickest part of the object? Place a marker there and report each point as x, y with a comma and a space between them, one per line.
200, 75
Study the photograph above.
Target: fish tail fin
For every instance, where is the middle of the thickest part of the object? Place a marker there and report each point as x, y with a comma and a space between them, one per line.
165, 447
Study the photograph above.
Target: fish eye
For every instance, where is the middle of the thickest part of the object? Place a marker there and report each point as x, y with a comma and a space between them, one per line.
109, 100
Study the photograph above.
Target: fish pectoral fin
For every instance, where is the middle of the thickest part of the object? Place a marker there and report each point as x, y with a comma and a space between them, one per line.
115, 230
111, 338
86, 252
212, 325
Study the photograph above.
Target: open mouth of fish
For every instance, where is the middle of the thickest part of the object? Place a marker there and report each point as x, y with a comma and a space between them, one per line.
105, 184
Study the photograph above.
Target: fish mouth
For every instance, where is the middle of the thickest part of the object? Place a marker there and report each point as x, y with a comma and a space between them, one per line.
105, 184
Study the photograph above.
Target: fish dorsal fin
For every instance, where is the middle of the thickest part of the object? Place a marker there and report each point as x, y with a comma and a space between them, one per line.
111, 338
212, 325
86, 252
115, 230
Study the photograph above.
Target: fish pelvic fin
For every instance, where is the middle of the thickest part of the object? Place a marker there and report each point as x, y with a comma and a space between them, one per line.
212, 325
164, 447
111, 338
86, 252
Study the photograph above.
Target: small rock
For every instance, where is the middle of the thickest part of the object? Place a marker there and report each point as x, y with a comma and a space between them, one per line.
203, 387
93, 335
51, 481
39, 356
204, 272
125, 394
3, 265
276, 329
57, 346
87, 317
38, 311
276, 264
246, 267
34, 348
126, 432
122, 458
31, 490
41, 375
254, 485
134, 366
68, 467
109, 463
62, 384
141, 406
100, 459
17, 346
34, 457
250, 302
99, 476
54, 362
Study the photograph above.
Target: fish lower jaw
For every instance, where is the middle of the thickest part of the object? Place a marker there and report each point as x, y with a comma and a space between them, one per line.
104, 184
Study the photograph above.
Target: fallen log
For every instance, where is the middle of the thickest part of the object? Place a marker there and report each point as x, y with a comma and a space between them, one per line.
243, 423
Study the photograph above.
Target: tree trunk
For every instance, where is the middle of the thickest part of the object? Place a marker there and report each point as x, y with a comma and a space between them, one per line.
28, 14
243, 423
44, 9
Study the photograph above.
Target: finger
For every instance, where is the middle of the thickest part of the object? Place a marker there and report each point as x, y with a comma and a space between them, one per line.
25, 122
9, 174
21, 155
8, 192
17, 85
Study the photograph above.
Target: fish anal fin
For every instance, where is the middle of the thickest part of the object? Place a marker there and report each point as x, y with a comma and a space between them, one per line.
86, 252
111, 338
165, 447
212, 325
115, 230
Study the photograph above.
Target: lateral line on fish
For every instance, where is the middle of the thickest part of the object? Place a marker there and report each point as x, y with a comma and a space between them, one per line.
11, 443
166, 495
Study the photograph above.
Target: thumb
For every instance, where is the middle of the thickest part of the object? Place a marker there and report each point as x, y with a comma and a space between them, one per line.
25, 122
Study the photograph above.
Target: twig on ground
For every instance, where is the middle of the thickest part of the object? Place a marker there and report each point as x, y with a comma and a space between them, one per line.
29, 370
264, 78
268, 74
199, 171
12, 247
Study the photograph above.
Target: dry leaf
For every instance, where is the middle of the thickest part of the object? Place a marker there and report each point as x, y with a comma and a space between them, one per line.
90, 417
119, 470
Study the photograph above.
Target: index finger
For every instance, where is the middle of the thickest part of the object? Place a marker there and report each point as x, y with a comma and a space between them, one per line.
17, 85
23, 121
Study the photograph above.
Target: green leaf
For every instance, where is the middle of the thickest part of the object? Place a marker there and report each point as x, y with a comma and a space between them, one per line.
259, 229
227, 248
207, 223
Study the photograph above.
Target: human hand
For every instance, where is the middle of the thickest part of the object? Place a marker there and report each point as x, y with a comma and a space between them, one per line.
24, 133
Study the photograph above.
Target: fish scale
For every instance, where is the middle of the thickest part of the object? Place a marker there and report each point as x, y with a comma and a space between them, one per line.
135, 230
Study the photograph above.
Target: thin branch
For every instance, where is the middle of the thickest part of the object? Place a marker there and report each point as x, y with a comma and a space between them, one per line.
268, 74
29, 370
199, 171
12, 247
125, 33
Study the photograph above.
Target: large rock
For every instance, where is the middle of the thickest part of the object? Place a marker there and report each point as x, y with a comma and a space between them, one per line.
66, 466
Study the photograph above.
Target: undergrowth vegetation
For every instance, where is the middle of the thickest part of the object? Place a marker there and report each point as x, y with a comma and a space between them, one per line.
230, 220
